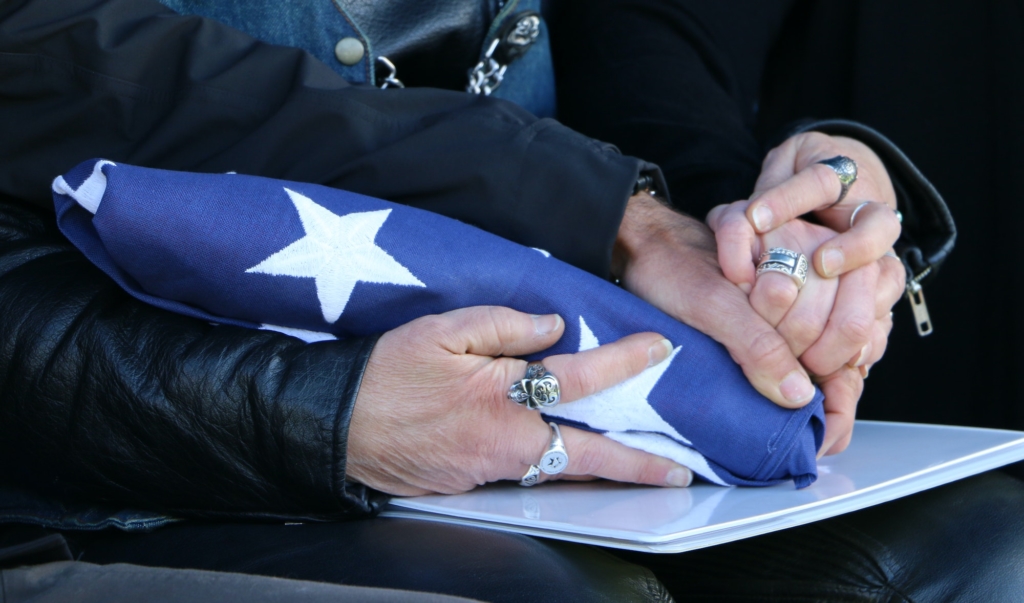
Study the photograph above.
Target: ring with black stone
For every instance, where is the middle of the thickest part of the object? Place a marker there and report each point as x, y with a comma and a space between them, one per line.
846, 169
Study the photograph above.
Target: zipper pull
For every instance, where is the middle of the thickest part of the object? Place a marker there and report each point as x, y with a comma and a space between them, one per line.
915, 294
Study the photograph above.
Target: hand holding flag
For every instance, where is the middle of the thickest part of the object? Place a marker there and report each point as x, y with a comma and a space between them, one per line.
324, 263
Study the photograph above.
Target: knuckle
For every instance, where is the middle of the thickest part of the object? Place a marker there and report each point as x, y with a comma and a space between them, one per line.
648, 470
589, 459
500, 324
585, 378
804, 328
766, 349
435, 327
878, 347
871, 271
779, 292
636, 356
734, 227
842, 444
826, 180
773, 159
895, 276
816, 145
816, 361
857, 327
893, 226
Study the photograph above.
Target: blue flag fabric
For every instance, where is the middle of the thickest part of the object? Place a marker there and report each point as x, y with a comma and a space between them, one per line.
320, 263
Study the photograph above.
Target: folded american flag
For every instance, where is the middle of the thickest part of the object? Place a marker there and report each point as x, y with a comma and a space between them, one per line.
320, 263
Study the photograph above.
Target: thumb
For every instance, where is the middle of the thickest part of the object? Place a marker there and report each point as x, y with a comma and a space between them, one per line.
497, 331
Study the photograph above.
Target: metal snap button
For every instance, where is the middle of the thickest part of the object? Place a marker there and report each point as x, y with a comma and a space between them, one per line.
349, 51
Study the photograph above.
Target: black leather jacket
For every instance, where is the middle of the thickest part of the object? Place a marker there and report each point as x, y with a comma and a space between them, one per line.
106, 400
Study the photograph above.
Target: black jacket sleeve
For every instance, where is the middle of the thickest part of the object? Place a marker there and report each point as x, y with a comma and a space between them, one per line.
106, 398
131, 81
673, 81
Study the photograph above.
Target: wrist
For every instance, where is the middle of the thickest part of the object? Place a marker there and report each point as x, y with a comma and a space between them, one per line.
645, 220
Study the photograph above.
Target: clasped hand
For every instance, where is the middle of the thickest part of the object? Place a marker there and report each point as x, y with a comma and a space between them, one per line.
837, 325
432, 416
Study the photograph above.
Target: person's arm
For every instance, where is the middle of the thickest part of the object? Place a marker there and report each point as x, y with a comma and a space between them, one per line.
131, 81
107, 398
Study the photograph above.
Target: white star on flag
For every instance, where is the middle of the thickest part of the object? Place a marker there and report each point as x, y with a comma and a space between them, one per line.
337, 251
626, 405
623, 404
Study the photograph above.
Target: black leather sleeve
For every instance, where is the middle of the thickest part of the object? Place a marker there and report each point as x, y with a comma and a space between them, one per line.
929, 232
107, 398
131, 81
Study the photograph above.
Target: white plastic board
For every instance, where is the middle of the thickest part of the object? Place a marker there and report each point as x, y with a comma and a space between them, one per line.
885, 461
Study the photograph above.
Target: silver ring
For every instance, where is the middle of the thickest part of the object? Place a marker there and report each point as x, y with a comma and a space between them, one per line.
531, 478
554, 460
846, 169
853, 216
786, 261
538, 389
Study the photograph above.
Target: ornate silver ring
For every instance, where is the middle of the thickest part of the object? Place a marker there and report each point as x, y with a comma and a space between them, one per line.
539, 389
554, 460
846, 169
786, 261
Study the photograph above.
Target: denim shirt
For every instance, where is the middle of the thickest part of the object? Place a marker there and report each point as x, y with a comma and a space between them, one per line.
317, 26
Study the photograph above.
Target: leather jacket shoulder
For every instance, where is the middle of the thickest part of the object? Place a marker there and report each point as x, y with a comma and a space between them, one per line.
104, 398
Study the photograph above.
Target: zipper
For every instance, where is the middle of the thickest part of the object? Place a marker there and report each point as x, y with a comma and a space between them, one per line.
915, 295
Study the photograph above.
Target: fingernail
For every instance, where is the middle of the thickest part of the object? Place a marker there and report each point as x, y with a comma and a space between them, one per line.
863, 356
832, 261
762, 218
680, 477
796, 388
746, 288
657, 353
864, 371
545, 324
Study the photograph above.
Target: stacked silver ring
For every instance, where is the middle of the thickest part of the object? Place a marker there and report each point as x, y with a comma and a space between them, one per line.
538, 389
554, 460
785, 261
